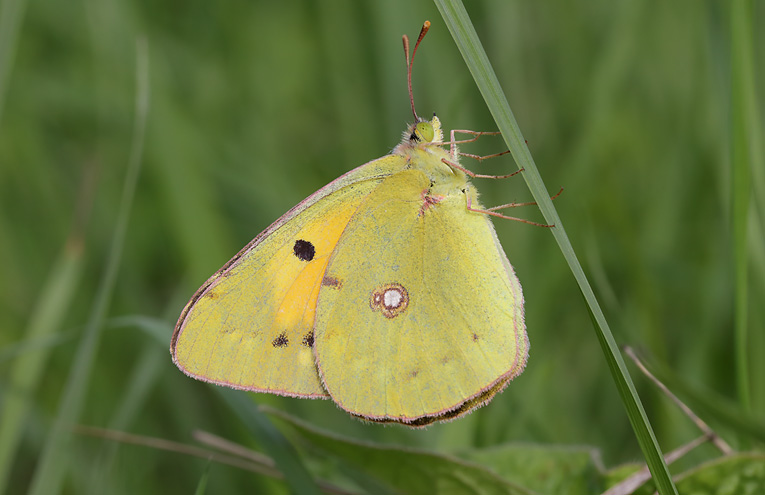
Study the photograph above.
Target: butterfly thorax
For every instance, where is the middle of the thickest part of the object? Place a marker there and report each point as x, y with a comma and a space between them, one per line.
422, 145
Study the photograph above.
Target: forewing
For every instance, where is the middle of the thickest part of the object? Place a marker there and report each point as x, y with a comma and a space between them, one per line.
251, 325
459, 337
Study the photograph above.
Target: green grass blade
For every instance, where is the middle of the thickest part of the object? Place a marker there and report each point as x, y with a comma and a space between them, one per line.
28, 367
135, 399
743, 121
11, 18
275, 444
464, 34
53, 461
202, 485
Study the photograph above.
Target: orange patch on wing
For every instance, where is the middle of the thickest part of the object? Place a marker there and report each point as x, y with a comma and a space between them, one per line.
298, 306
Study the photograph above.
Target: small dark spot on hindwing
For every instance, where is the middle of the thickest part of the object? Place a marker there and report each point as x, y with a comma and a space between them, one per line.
333, 282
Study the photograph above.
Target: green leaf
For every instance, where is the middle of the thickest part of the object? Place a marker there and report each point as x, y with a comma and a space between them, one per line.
386, 469
562, 470
738, 474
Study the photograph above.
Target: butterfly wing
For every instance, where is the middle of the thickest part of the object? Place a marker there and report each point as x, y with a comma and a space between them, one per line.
425, 320
250, 326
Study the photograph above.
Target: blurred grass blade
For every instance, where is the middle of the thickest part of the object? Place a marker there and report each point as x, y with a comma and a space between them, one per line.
709, 404
28, 367
274, 443
464, 34
133, 401
202, 485
40, 336
52, 466
744, 123
11, 18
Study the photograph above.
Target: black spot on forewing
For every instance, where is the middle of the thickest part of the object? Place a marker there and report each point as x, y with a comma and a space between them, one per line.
475, 337
281, 340
304, 250
308, 340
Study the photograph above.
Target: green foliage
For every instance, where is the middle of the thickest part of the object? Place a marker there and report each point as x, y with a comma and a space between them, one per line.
742, 474
504, 469
737, 474
254, 105
390, 469
563, 470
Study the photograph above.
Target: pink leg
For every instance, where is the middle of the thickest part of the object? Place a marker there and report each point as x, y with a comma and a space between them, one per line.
475, 175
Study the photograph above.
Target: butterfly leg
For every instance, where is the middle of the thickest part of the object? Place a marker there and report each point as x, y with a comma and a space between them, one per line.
481, 158
476, 135
475, 175
453, 142
513, 205
493, 210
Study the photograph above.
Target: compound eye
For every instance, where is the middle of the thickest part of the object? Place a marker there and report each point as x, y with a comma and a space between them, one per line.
424, 131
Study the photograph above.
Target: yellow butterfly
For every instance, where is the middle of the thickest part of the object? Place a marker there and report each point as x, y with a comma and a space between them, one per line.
387, 291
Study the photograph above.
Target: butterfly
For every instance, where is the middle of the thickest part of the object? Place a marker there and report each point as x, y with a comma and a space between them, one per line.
386, 290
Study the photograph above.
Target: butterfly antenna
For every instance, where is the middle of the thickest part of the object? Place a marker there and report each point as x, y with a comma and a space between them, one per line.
410, 62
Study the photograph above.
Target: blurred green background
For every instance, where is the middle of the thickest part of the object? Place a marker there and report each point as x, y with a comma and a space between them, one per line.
255, 105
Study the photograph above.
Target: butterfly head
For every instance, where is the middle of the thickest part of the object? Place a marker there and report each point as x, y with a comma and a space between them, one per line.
424, 132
